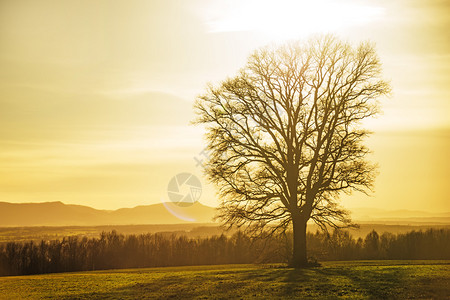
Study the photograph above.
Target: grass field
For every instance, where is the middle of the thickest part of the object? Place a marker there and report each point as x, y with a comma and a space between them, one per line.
360, 280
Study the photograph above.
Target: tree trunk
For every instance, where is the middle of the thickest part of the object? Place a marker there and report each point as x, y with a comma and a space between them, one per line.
299, 251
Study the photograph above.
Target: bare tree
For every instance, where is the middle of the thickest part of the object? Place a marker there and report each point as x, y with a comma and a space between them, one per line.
285, 135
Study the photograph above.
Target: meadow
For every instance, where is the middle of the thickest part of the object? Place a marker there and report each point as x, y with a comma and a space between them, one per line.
355, 280
194, 230
48, 233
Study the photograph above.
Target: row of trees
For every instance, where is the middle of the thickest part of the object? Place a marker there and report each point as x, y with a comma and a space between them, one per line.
113, 250
340, 245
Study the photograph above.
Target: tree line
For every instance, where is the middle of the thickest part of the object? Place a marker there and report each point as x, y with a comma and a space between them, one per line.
114, 251
340, 245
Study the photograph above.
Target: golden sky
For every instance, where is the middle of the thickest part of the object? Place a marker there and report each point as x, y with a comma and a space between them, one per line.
96, 96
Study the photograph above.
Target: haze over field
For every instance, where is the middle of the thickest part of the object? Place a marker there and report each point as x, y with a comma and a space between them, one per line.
96, 97
60, 214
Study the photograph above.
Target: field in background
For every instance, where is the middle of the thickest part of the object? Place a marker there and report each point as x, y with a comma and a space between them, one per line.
191, 230
38, 233
362, 280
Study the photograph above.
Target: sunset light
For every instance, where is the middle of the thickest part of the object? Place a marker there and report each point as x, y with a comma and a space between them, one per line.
288, 19
224, 149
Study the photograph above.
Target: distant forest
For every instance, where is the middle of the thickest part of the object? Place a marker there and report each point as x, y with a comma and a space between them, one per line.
115, 251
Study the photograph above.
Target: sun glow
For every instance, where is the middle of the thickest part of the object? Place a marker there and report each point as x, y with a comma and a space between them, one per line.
287, 19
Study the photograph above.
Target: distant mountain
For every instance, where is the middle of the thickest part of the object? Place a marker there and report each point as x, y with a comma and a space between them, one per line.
60, 214
404, 216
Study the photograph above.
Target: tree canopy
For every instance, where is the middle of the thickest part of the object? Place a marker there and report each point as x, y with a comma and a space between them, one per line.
285, 135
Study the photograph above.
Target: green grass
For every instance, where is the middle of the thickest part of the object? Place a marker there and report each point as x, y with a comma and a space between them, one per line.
360, 280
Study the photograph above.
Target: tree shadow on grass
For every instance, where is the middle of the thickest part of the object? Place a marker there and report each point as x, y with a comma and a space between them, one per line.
345, 282
326, 282
372, 282
174, 287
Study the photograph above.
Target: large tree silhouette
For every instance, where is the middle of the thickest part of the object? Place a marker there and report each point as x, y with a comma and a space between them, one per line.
285, 135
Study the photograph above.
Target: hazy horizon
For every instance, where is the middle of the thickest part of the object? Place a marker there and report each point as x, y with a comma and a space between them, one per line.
96, 98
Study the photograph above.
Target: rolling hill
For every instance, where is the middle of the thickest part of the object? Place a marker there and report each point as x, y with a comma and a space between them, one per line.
60, 214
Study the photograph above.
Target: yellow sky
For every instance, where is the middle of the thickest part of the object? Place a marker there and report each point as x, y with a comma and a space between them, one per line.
96, 96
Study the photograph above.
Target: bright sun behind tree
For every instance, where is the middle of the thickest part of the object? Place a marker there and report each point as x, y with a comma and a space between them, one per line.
289, 19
